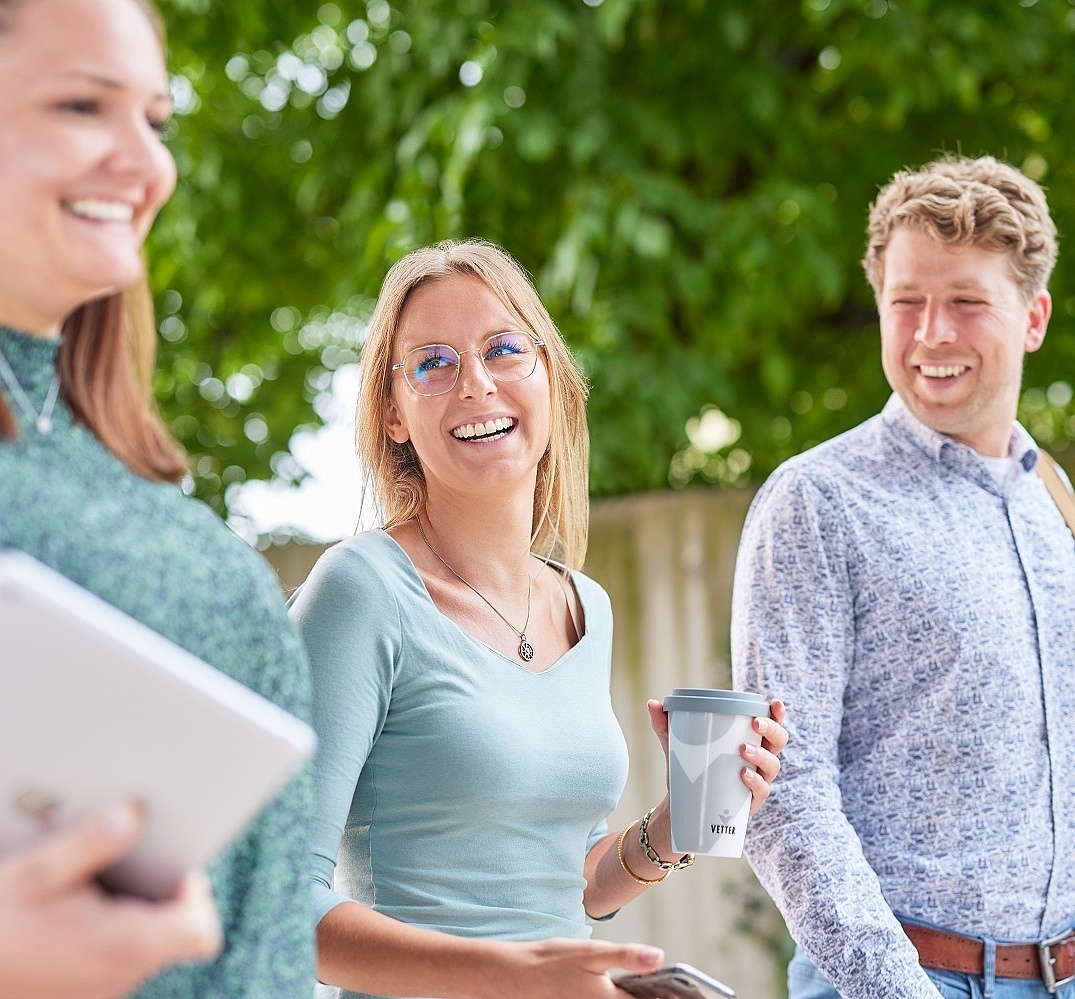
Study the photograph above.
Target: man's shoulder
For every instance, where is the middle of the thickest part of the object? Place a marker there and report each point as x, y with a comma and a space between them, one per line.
858, 473
849, 455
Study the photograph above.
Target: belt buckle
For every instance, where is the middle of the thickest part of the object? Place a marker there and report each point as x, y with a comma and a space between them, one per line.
1048, 975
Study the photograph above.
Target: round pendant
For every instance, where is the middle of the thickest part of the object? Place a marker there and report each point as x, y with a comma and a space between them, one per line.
43, 425
526, 650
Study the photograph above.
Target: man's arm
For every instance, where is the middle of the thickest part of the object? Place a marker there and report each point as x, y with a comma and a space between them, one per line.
793, 637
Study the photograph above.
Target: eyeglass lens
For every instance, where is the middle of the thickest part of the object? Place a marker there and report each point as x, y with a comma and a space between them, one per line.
434, 368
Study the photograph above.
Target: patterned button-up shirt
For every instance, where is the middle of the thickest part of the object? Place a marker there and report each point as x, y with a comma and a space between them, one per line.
919, 620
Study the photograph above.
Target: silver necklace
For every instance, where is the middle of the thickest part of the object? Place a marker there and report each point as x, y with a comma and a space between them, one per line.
526, 650
42, 422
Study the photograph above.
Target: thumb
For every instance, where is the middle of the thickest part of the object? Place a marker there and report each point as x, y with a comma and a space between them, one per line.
658, 720
72, 856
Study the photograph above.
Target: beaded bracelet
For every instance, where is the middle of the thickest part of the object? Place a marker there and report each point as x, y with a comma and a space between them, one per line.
627, 870
643, 840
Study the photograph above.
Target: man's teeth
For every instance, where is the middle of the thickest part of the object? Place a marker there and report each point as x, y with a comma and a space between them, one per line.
471, 430
942, 370
103, 211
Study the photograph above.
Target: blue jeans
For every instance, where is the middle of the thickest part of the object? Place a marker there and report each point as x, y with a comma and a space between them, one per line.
806, 982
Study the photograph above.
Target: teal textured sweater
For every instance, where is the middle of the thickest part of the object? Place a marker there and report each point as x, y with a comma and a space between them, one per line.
168, 561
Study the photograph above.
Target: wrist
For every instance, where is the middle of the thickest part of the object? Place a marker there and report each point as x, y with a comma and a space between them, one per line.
668, 860
659, 828
494, 968
638, 863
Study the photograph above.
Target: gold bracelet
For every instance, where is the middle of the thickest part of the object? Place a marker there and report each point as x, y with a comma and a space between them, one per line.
627, 870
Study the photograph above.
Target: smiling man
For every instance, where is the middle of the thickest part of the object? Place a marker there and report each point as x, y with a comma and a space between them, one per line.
908, 589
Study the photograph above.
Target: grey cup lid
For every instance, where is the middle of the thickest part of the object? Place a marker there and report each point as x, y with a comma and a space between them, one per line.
728, 702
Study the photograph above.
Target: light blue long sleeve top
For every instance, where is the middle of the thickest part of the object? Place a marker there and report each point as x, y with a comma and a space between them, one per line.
459, 790
919, 620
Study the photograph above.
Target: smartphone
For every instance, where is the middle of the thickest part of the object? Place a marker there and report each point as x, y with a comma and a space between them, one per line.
675, 981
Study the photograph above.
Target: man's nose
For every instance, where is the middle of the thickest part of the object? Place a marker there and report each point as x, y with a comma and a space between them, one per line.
935, 326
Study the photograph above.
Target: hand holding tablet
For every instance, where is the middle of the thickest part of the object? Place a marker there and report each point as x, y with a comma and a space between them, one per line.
61, 935
95, 707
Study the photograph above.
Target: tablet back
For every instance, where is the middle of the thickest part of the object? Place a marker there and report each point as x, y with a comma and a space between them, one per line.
95, 706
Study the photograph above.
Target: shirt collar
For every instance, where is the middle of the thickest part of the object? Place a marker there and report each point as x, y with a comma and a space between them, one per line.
898, 417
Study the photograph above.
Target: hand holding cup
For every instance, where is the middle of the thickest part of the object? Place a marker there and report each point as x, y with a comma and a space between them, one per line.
707, 736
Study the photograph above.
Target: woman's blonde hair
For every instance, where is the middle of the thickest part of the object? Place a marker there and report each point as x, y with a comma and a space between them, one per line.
107, 353
394, 479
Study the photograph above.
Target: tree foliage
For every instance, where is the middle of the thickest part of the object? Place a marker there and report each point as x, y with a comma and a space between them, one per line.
686, 181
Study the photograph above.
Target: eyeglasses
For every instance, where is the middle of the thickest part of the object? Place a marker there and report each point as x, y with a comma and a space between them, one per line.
434, 368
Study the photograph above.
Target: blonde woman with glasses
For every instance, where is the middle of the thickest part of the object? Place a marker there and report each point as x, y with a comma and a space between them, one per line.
469, 752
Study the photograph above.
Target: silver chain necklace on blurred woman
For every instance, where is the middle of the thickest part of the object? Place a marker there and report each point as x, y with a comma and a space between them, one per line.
526, 650
42, 422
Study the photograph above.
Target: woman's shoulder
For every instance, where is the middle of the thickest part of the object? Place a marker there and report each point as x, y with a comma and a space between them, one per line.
368, 569
367, 552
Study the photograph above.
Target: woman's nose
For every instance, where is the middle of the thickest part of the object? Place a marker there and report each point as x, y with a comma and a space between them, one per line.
474, 377
140, 154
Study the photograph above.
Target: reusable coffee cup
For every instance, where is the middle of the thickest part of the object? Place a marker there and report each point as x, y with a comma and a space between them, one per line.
709, 802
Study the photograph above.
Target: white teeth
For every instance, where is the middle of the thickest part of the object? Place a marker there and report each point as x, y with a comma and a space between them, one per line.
484, 430
103, 211
942, 370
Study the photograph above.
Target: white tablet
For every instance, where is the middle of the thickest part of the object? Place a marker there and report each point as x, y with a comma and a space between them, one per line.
95, 706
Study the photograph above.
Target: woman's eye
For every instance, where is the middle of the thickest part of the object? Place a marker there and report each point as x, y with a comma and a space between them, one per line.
159, 125
505, 348
86, 106
433, 363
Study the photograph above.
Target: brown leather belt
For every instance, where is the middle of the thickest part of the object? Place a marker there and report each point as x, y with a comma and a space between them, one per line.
1053, 961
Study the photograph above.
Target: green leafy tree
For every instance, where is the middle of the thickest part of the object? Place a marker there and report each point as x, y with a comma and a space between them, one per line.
687, 182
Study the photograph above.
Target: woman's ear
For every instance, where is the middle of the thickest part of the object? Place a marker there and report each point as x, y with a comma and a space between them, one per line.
393, 423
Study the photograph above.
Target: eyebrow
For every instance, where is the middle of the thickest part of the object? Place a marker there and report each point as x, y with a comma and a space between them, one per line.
110, 83
970, 284
499, 331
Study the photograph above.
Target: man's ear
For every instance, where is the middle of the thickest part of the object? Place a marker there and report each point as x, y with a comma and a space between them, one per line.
1041, 307
393, 423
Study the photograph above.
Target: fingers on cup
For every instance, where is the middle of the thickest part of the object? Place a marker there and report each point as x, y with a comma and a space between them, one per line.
767, 763
759, 788
774, 735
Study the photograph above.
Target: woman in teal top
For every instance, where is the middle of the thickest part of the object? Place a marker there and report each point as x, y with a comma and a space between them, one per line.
88, 485
469, 754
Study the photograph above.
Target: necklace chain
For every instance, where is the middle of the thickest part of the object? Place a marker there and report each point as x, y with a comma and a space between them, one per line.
41, 421
526, 650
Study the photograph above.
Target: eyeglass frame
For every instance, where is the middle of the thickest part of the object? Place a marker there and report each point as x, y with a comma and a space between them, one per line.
402, 365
